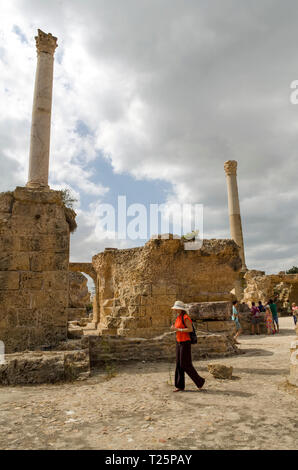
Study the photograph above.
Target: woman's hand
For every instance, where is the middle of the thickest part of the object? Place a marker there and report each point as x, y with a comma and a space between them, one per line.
173, 328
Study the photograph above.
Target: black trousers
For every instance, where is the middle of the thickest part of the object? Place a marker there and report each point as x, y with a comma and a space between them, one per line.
184, 364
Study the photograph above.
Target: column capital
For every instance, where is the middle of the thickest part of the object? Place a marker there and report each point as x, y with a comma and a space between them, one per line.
231, 167
45, 42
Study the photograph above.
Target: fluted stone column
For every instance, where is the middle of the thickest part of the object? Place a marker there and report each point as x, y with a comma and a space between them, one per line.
41, 113
234, 208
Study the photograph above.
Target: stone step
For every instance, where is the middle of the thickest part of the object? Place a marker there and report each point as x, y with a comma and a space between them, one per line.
91, 332
90, 326
108, 331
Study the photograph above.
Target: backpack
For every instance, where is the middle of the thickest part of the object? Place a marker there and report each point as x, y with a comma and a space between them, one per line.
193, 334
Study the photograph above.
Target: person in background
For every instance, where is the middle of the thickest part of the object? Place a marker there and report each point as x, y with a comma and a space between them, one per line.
273, 309
269, 321
294, 313
261, 307
235, 318
183, 326
255, 318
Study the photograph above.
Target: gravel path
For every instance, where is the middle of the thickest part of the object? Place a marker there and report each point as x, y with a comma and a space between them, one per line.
136, 409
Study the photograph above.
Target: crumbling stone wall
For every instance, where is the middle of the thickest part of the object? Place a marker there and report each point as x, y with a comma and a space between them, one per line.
105, 349
34, 258
214, 328
281, 287
45, 367
137, 287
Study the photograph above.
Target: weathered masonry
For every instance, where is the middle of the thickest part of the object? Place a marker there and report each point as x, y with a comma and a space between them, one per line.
34, 279
137, 287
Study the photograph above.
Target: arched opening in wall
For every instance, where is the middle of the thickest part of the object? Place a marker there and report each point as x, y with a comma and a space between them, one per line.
81, 293
90, 276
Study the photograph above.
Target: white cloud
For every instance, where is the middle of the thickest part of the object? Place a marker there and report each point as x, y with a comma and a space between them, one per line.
167, 90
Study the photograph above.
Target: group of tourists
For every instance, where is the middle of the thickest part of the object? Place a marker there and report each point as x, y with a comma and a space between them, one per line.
271, 318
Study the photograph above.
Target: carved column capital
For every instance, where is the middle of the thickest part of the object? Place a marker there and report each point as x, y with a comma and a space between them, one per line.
231, 167
45, 42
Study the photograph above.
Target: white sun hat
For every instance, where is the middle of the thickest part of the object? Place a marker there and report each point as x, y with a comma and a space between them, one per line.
178, 305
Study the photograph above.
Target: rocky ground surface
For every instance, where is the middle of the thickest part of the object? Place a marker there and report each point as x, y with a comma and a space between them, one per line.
133, 407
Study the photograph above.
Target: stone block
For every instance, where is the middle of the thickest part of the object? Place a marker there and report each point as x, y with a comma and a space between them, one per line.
9, 280
56, 280
7, 243
220, 371
210, 311
151, 345
28, 317
15, 298
76, 313
51, 299
44, 261
44, 367
6, 203
16, 261
32, 196
30, 243
167, 300
220, 325
31, 280
159, 289
74, 331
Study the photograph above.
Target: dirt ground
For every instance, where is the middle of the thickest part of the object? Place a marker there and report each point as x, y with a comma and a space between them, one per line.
136, 409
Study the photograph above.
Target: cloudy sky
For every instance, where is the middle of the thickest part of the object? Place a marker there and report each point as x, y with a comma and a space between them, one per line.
151, 97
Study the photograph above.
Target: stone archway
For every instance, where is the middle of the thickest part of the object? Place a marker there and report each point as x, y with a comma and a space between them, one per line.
88, 269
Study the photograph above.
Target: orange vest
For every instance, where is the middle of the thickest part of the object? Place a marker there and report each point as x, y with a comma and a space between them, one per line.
180, 337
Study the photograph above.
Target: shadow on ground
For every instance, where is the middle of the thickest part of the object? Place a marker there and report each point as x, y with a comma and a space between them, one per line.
286, 332
255, 352
262, 371
233, 393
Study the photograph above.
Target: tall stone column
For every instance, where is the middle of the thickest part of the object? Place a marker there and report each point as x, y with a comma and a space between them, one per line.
41, 113
234, 208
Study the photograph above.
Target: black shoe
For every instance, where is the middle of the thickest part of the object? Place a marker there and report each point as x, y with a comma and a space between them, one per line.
203, 381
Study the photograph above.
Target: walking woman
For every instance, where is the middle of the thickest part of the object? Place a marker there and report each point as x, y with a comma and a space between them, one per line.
183, 326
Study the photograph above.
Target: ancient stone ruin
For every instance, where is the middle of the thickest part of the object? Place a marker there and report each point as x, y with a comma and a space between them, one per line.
137, 287
34, 287
282, 287
43, 297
